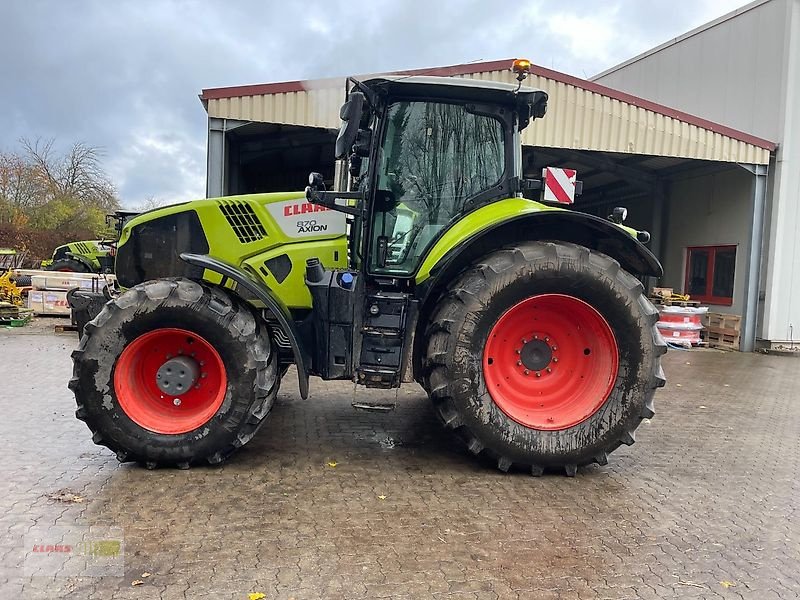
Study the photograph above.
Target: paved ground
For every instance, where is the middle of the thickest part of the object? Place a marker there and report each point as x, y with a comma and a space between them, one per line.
703, 505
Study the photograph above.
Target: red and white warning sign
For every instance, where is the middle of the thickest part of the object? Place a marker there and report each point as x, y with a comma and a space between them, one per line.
559, 185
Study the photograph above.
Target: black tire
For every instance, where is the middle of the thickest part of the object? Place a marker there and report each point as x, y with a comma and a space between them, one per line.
241, 340
23, 281
68, 264
461, 322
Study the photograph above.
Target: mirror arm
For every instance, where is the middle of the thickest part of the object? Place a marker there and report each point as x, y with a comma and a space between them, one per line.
328, 200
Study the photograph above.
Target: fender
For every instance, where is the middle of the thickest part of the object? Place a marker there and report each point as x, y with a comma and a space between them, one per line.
270, 300
516, 219
84, 261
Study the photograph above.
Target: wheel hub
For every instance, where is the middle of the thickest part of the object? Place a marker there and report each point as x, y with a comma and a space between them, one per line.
536, 355
177, 375
550, 361
170, 380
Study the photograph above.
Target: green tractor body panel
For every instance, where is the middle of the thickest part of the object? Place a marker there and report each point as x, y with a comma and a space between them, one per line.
482, 219
268, 236
88, 252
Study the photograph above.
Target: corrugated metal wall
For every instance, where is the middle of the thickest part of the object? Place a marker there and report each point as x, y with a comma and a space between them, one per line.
576, 118
583, 120
315, 107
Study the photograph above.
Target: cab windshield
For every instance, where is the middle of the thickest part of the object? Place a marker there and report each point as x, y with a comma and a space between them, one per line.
433, 159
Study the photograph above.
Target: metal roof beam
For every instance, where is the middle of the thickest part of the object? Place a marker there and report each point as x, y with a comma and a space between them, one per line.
695, 168
642, 179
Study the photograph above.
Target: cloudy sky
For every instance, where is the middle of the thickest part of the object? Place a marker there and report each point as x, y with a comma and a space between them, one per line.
125, 75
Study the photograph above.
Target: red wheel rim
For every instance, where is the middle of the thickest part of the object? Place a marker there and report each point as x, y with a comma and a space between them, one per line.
138, 394
550, 362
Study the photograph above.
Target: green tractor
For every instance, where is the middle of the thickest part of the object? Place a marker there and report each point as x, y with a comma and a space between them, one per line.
525, 323
90, 256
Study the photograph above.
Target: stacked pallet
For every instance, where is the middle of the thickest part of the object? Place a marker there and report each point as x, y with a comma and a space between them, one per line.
722, 330
679, 320
681, 325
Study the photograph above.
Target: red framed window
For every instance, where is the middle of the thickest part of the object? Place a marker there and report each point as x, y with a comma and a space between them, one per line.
710, 273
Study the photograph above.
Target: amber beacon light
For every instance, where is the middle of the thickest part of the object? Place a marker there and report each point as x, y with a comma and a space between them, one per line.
521, 66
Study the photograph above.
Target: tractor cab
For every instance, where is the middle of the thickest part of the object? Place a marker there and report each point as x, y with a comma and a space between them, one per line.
118, 219
422, 152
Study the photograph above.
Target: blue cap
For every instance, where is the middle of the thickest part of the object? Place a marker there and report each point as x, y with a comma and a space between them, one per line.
347, 280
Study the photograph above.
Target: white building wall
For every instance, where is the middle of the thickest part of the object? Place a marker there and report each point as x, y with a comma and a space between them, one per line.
782, 307
730, 72
743, 70
711, 210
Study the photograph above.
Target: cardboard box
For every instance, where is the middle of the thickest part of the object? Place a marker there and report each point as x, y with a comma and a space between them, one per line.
36, 301
48, 302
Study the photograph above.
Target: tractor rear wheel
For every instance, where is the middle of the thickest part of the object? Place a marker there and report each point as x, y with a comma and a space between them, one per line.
68, 265
174, 372
544, 356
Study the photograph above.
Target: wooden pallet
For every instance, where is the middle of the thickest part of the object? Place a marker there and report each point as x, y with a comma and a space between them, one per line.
723, 321
722, 330
65, 328
724, 341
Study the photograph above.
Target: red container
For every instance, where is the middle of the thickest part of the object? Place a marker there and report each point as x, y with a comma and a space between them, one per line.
666, 317
681, 336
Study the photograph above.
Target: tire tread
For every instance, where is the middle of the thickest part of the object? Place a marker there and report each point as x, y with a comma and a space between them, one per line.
440, 333
267, 378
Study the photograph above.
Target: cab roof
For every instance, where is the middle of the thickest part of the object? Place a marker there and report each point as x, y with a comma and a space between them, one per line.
527, 100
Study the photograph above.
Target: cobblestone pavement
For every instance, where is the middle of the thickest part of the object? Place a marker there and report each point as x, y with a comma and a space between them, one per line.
704, 505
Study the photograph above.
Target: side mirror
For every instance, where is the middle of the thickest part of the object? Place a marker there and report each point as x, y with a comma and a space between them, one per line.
351, 114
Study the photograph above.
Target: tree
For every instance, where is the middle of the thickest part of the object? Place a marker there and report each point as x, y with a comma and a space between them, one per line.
45, 195
73, 188
149, 203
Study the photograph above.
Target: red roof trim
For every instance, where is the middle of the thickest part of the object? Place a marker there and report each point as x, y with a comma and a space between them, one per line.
259, 89
302, 85
502, 65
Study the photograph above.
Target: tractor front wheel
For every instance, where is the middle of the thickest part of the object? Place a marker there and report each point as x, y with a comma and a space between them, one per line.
544, 356
174, 372
68, 265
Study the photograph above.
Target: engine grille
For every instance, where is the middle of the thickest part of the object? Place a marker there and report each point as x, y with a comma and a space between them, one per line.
243, 221
82, 248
